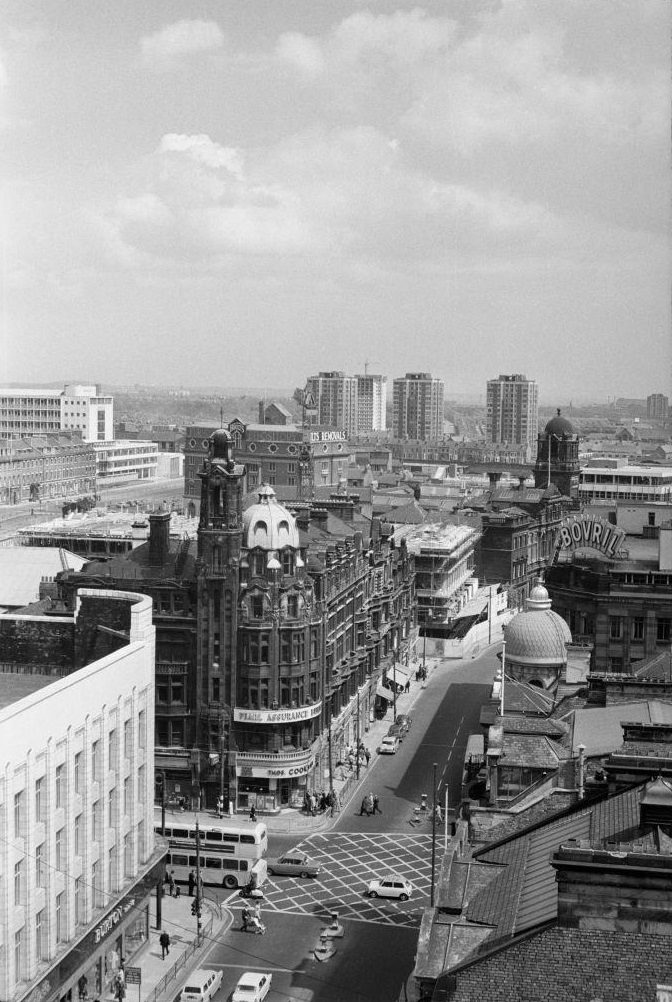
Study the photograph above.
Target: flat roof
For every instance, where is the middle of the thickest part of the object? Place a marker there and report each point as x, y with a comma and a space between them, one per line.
14, 686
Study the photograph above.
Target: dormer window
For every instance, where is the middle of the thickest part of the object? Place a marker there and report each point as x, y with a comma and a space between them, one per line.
257, 606
259, 564
287, 557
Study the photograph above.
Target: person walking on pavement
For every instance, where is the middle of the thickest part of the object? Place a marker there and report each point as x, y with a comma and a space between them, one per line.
192, 883
171, 883
407, 687
253, 813
164, 940
376, 806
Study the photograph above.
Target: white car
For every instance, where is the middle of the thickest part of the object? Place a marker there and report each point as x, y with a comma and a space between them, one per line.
388, 746
251, 987
390, 886
201, 986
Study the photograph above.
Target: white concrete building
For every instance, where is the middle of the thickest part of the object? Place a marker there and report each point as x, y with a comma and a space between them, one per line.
77, 853
78, 407
124, 460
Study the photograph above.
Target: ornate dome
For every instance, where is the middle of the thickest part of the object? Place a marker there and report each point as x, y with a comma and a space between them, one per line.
537, 636
267, 524
559, 426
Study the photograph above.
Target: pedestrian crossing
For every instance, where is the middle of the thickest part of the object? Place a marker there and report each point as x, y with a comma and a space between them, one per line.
350, 860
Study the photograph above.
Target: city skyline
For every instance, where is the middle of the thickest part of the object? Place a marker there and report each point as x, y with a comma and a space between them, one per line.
464, 188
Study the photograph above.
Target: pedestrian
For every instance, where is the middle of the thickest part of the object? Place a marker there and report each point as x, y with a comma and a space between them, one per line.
253, 813
177, 890
171, 883
362, 809
407, 687
246, 918
351, 761
164, 940
367, 755
192, 882
376, 806
220, 806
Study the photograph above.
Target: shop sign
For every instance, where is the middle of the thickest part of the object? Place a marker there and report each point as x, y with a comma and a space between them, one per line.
288, 716
317, 437
589, 531
111, 920
274, 771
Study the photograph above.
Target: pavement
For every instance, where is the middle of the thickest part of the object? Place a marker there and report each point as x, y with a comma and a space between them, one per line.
161, 978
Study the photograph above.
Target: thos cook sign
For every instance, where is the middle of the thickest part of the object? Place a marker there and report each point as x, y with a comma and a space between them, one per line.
590, 532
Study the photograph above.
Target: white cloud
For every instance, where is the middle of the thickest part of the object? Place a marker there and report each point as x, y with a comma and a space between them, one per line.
181, 38
203, 150
302, 53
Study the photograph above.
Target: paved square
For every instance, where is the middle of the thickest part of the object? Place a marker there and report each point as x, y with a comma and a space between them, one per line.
350, 861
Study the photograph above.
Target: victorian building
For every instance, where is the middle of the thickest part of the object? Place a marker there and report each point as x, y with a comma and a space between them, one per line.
273, 629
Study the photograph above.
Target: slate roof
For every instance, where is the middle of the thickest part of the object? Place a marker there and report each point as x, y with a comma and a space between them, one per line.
22, 568
533, 751
569, 965
558, 802
599, 728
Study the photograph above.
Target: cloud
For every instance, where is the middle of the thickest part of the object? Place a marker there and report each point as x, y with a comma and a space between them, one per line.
203, 150
181, 39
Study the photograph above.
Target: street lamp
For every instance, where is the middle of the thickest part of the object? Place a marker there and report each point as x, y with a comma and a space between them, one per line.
431, 890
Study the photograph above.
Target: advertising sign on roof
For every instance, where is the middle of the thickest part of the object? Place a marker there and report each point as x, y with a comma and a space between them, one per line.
580, 532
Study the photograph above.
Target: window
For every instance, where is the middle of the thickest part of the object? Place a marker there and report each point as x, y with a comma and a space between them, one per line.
95, 764
110, 807
141, 783
663, 632
40, 870
142, 848
59, 858
615, 628
19, 882
127, 738
95, 821
60, 785
18, 814
78, 835
287, 561
127, 795
142, 729
95, 885
216, 695
39, 936
77, 773
257, 606
79, 901
111, 748
39, 798
60, 917
637, 628
18, 953
293, 606
128, 856
110, 870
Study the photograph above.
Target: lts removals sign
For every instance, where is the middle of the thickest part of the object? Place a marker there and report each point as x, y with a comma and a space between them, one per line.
589, 532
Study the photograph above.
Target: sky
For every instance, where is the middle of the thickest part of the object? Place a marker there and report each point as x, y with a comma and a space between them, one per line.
247, 192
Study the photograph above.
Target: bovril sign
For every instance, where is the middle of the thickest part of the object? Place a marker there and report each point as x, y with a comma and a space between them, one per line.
590, 532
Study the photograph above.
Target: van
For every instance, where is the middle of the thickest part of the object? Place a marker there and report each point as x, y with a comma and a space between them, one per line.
201, 986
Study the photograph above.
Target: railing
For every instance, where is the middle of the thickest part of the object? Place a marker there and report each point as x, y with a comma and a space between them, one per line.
181, 961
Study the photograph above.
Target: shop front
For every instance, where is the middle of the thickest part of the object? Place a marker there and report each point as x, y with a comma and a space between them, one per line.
87, 971
270, 782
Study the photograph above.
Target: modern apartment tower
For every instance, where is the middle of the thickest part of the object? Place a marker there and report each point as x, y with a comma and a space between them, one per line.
418, 406
351, 403
335, 396
657, 406
371, 402
513, 412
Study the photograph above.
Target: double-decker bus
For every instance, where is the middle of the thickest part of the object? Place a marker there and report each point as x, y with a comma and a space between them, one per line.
232, 850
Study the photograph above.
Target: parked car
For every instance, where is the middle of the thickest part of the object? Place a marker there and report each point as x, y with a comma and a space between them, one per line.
395, 731
388, 746
294, 864
252, 987
404, 721
390, 886
201, 986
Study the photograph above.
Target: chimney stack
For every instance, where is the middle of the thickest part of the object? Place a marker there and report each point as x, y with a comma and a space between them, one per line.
159, 536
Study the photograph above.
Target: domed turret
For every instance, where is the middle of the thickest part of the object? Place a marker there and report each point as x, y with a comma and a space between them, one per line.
559, 426
537, 636
268, 524
221, 445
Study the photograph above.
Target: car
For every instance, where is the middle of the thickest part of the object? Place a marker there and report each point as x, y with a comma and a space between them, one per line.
201, 986
388, 746
403, 721
252, 987
294, 864
392, 885
395, 731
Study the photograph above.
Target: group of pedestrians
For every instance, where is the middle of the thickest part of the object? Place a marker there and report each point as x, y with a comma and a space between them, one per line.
370, 805
319, 803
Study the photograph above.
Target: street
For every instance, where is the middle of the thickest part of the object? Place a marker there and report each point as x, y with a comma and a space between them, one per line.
376, 953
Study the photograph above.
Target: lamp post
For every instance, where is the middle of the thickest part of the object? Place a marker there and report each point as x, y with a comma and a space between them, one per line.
394, 682
357, 749
431, 890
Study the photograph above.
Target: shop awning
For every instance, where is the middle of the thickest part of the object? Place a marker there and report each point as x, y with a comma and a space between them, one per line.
398, 674
383, 692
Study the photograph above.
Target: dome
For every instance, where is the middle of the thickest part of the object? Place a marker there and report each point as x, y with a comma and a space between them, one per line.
221, 444
267, 524
537, 636
559, 426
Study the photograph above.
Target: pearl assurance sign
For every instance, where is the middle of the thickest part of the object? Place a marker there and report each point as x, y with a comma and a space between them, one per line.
285, 716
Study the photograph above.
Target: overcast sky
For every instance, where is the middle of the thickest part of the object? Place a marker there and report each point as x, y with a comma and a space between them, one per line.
244, 192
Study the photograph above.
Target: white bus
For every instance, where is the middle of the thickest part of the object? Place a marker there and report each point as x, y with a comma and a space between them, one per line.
235, 837
216, 868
